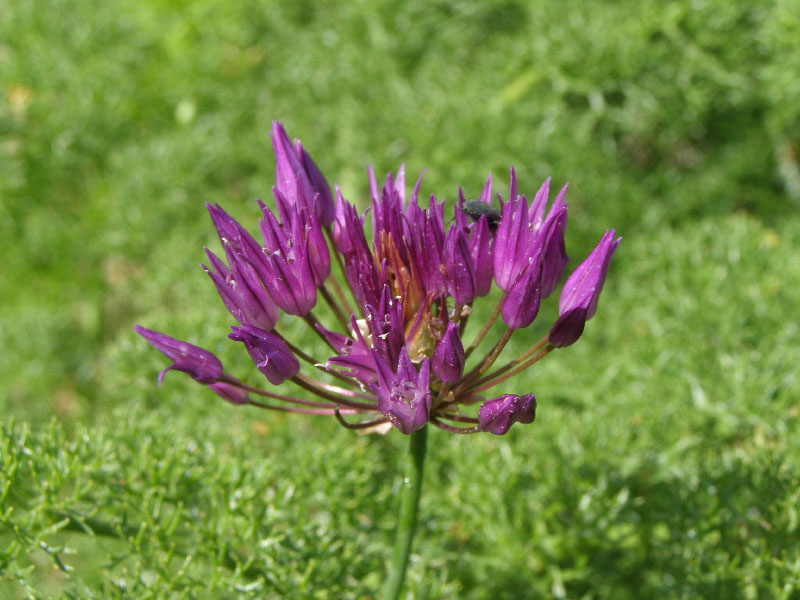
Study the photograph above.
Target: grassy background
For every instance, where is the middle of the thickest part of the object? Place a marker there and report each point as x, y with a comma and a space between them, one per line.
662, 461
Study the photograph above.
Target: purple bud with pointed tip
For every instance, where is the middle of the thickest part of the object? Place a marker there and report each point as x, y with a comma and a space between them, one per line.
290, 174
270, 353
448, 358
231, 393
524, 231
499, 414
325, 207
578, 301
298, 178
459, 273
199, 364
521, 303
554, 253
288, 270
482, 249
512, 242
241, 290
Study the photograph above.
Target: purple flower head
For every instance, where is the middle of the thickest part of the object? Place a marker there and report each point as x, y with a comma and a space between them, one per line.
578, 301
404, 395
270, 353
413, 278
231, 393
448, 358
499, 414
199, 364
298, 178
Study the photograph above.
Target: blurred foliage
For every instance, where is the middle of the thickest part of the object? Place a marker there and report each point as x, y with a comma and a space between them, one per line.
665, 468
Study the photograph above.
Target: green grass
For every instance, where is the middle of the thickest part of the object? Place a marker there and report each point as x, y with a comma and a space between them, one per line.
663, 461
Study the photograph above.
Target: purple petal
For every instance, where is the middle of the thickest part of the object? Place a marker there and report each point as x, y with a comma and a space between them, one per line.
242, 292
199, 364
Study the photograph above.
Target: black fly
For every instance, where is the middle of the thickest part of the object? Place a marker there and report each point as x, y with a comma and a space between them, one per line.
476, 209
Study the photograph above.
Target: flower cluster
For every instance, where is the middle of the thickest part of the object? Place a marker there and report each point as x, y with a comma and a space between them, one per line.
396, 339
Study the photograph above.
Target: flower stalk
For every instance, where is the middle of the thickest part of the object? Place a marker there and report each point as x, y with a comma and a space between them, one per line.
409, 508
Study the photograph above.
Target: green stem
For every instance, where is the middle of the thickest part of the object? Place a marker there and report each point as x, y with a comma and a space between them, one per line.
407, 523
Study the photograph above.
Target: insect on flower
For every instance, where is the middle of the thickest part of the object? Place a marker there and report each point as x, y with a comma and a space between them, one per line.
402, 355
477, 208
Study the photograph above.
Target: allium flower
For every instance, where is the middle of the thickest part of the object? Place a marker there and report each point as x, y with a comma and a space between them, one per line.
396, 358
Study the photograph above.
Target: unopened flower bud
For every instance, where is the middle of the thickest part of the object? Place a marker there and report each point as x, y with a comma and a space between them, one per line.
499, 414
270, 353
448, 358
578, 301
199, 364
